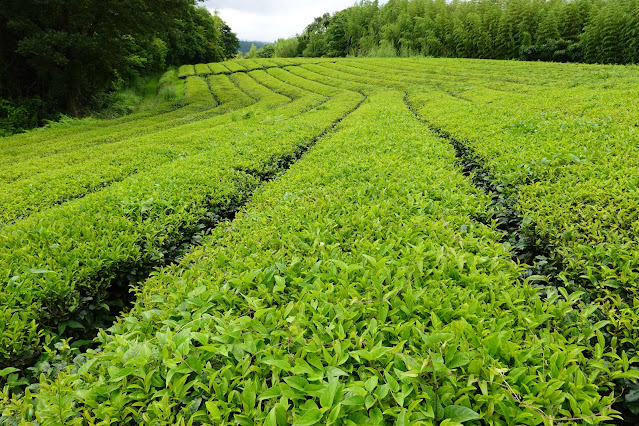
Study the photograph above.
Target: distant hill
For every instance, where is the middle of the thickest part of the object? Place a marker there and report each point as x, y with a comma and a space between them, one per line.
245, 46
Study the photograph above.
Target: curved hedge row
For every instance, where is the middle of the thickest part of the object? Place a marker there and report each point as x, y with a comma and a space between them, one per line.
186, 71
197, 92
218, 68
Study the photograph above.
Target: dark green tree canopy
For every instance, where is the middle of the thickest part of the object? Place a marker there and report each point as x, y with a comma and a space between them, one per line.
65, 51
230, 42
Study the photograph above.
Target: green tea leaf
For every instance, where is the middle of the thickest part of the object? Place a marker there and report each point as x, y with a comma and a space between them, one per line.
460, 414
309, 418
273, 392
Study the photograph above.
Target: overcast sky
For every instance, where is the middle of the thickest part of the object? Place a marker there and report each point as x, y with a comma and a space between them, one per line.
268, 20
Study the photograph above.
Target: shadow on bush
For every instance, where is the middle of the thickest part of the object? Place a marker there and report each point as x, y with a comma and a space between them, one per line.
18, 115
553, 51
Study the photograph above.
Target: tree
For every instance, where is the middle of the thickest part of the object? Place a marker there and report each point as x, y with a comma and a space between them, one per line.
548, 28
230, 42
591, 37
196, 38
252, 53
313, 39
287, 48
506, 42
315, 46
267, 51
337, 44
358, 19
611, 34
630, 33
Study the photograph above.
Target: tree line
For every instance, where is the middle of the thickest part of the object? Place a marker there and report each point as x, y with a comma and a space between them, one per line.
61, 55
592, 31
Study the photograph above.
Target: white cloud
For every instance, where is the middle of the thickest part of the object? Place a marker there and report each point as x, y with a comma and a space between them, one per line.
272, 19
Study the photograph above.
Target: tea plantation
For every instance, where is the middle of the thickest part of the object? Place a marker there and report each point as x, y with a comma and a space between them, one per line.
314, 241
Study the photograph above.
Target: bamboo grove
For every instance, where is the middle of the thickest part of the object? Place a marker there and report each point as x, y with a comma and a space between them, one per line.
592, 31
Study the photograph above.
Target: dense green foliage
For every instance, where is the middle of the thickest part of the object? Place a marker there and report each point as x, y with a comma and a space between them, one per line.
65, 56
601, 31
199, 37
365, 279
